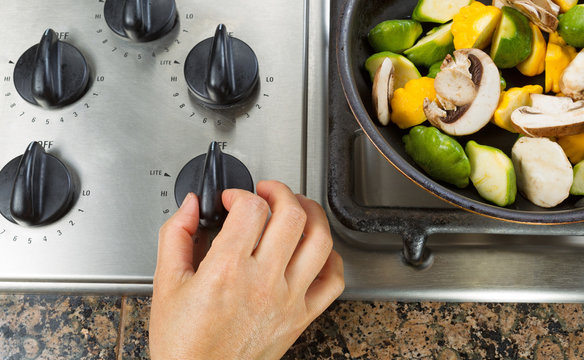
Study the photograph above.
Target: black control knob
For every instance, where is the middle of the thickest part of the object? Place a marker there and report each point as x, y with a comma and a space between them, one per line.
140, 20
35, 188
51, 73
208, 175
221, 71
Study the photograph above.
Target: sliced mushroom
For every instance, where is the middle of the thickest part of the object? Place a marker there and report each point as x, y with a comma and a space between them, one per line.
383, 90
572, 80
549, 116
548, 5
550, 104
467, 92
455, 87
543, 13
544, 173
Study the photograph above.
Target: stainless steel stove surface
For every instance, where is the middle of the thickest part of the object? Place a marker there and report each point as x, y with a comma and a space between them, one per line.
126, 138
127, 134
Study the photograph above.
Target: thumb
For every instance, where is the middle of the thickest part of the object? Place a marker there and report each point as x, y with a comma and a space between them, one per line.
175, 243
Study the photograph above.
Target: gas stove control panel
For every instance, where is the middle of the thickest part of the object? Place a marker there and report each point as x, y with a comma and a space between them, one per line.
111, 110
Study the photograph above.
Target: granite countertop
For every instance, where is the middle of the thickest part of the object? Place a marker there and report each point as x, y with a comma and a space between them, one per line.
88, 327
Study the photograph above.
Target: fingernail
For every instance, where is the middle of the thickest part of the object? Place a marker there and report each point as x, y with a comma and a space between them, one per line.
187, 199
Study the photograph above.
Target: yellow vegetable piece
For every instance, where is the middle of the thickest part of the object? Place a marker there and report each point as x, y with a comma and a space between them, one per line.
555, 38
566, 5
573, 146
511, 100
557, 58
407, 103
535, 63
474, 25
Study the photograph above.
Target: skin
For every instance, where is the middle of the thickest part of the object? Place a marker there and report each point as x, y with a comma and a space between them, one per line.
243, 301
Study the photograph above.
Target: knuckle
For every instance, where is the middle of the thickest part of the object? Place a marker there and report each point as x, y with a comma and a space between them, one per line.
324, 240
257, 204
314, 204
295, 215
321, 213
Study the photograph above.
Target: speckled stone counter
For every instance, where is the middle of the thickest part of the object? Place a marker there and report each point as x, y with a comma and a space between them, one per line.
74, 327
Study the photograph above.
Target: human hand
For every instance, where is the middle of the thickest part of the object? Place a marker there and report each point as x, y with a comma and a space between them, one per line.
243, 301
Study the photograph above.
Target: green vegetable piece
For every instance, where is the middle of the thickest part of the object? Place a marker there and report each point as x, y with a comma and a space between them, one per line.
578, 184
439, 155
404, 69
512, 39
492, 173
571, 26
438, 11
434, 69
503, 81
394, 35
433, 47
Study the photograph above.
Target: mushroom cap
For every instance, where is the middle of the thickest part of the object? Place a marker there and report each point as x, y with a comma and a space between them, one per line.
544, 173
471, 117
549, 116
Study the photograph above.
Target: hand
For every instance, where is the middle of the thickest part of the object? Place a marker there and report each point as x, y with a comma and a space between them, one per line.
243, 301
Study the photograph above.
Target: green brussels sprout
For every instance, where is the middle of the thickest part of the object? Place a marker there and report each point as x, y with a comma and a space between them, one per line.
441, 157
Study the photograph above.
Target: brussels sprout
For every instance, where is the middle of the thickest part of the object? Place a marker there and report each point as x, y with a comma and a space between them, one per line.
441, 157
